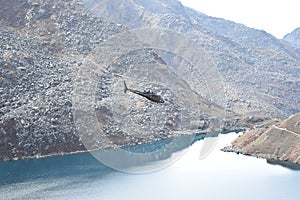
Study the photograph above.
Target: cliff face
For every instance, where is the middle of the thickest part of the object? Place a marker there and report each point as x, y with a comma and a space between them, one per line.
280, 141
293, 38
260, 72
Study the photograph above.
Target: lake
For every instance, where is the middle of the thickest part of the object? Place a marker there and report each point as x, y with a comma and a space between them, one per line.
219, 176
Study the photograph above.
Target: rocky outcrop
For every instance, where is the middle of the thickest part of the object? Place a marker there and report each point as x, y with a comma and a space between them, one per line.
275, 141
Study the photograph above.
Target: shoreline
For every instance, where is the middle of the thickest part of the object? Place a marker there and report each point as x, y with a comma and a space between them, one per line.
113, 146
273, 160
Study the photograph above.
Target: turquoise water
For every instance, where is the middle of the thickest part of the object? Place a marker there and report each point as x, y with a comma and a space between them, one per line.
218, 176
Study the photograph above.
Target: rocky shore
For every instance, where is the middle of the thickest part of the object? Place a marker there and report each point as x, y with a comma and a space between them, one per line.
277, 141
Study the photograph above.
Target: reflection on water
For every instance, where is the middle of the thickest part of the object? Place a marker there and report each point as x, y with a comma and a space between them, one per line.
148, 157
50, 167
219, 176
284, 164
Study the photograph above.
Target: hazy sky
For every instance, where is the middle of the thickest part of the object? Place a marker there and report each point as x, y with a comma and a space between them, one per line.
277, 17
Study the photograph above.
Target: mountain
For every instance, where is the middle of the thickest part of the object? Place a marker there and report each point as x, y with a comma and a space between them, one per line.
64, 63
62, 83
293, 38
260, 73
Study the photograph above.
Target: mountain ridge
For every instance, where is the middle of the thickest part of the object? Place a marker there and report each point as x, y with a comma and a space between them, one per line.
253, 63
293, 38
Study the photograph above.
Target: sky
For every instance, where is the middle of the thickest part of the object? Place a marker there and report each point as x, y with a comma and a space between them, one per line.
277, 17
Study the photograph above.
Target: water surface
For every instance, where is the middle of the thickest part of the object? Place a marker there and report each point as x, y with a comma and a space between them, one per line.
219, 176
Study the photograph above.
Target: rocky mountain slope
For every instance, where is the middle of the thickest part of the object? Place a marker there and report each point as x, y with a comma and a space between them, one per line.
62, 73
260, 72
293, 38
280, 142
61, 84
38, 42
